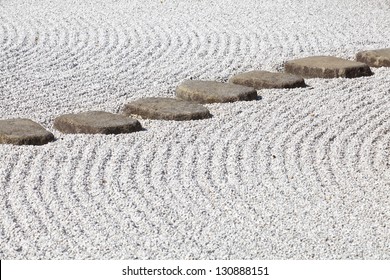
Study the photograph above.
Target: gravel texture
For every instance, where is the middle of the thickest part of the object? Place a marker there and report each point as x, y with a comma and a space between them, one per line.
298, 174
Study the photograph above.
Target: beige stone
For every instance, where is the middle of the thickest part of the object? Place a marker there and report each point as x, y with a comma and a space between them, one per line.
265, 79
327, 67
166, 109
214, 92
375, 58
23, 132
96, 122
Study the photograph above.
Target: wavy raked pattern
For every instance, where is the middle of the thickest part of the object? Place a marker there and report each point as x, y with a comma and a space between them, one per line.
301, 173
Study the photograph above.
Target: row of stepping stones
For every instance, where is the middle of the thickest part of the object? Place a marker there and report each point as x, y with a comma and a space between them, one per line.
190, 95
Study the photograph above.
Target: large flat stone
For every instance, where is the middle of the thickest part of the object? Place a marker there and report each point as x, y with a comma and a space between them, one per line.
265, 79
23, 132
166, 109
96, 122
327, 67
375, 58
214, 92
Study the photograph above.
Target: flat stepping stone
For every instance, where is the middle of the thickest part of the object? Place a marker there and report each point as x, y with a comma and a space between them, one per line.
96, 122
23, 132
214, 92
375, 58
166, 109
265, 79
327, 67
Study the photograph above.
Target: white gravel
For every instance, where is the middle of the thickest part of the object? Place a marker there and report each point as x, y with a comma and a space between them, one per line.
299, 174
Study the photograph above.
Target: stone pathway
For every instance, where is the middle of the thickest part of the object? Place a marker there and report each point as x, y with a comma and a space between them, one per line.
23, 132
96, 122
265, 79
166, 109
190, 94
214, 92
326, 67
375, 58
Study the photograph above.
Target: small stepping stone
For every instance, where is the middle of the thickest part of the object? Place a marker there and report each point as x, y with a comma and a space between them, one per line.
214, 92
265, 79
23, 132
375, 58
327, 67
96, 122
166, 109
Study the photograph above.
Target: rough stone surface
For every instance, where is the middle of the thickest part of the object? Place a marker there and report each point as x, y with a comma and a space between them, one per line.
327, 67
166, 109
96, 122
265, 79
214, 92
375, 58
23, 132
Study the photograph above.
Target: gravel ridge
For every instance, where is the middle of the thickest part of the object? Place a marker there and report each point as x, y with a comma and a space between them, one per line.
298, 174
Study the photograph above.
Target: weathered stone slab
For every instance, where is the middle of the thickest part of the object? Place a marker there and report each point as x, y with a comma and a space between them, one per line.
214, 92
265, 79
375, 58
327, 67
23, 132
96, 122
166, 109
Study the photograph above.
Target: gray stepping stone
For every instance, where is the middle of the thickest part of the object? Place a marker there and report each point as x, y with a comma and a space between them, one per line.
265, 79
375, 58
166, 109
23, 132
96, 122
214, 92
327, 67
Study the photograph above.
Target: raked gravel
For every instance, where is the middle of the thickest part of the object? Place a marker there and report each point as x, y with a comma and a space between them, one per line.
298, 174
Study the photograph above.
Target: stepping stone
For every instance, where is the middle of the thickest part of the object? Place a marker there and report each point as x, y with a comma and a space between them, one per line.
214, 92
265, 79
375, 58
166, 109
23, 132
326, 67
96, 122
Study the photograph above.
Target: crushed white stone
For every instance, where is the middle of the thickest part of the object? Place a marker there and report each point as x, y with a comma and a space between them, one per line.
298, 174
